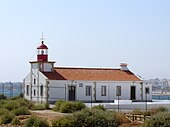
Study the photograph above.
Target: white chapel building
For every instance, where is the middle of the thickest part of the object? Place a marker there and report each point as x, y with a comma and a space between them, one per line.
46, 83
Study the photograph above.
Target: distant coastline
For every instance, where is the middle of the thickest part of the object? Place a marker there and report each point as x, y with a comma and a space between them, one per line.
158, 95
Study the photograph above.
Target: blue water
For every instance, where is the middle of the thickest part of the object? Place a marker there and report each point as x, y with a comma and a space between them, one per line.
10, 93
161, 97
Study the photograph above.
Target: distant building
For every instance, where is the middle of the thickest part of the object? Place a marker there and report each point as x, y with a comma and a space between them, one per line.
161, 85
46, 83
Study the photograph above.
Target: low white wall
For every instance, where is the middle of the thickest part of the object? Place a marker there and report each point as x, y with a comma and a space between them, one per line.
129, 105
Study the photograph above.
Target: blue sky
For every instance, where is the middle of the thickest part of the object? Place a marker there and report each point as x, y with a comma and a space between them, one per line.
86, 33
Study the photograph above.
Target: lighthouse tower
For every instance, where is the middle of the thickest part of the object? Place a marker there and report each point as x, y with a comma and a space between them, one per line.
38, 67
42, 64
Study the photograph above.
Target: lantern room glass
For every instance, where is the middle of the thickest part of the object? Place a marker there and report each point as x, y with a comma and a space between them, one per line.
42, 51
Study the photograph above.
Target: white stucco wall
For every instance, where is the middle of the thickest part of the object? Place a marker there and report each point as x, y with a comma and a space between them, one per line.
59, 90
110, 90
27, 82
148, 96
40, 81
35, 79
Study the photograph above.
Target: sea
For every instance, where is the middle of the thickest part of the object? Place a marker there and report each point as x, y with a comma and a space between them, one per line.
161, 97
11, 89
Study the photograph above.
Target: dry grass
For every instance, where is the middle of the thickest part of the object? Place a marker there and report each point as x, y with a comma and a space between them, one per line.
134, 124
49, 115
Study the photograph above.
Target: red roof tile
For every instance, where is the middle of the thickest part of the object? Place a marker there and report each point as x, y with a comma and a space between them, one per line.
97, 74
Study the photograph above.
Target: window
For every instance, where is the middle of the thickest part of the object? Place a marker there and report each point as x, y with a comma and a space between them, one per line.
80, 84
41, 90
103, 90
34, 81
118, 90
88, 90
34, 92
27, 90
147, 90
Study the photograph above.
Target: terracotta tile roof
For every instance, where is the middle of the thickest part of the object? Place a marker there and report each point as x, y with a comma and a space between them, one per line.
98, 74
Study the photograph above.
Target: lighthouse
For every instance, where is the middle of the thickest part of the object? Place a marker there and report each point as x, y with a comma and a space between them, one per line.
38, 87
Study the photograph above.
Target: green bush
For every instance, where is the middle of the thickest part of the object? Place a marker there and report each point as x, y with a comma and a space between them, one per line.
38, 107
68, 106
6, 118
36, 122
15, 98
89, 117
58, 105
21, 111
162, 109
25, 103
79, 105
47, 106
2, 102
3, 111
67, 121
97, 118
100, 107
15, 103
10, 105
161, 119
15, 121
2, 97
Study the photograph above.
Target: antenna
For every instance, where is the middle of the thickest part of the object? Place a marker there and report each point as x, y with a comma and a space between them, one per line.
42, 38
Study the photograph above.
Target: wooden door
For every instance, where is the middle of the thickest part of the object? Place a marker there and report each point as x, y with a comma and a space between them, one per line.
72, 93
133, 93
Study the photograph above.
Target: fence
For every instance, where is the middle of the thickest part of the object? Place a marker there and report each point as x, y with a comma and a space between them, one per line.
134, 117
10, 89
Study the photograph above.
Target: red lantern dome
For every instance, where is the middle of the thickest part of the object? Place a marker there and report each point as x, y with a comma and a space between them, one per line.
42, 55
42, 46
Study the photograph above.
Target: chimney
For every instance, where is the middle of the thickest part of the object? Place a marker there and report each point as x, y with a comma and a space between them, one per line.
124, 66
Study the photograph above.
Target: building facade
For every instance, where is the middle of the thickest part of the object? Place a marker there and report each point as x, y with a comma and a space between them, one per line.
46, 83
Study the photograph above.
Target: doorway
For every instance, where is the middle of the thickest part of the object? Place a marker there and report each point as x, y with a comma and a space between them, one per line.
72, 93
133, 93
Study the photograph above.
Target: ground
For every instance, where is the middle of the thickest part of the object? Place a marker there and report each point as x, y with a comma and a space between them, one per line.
135, 124
50, 115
